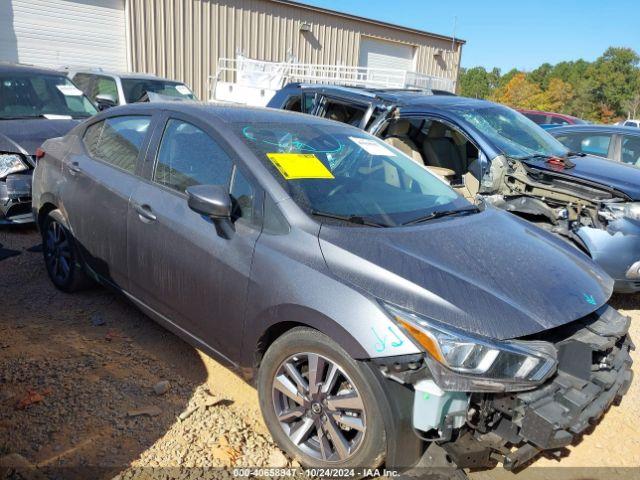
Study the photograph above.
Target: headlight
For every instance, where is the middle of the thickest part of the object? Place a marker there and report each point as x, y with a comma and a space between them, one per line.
11, 163
496, 361
630, 210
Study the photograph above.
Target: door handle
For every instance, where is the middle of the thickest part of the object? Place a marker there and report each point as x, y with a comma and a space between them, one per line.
145, 213
74, 167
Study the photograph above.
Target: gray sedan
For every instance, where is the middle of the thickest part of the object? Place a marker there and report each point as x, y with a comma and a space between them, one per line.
375, 308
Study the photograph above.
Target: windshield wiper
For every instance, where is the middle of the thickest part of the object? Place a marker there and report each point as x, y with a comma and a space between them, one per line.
534, 156
443, 213
357, 219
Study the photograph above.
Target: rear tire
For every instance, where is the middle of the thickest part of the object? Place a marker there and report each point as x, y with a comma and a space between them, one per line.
327, 420
61, 258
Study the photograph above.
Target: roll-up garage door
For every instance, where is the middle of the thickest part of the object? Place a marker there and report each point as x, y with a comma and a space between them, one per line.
55, 33
376, 53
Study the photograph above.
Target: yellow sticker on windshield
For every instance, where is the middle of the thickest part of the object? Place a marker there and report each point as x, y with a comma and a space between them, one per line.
295, 166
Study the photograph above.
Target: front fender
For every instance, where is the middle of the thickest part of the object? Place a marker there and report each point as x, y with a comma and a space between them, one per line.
290, 282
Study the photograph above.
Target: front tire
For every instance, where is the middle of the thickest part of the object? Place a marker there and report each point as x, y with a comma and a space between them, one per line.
60, 255
318, 403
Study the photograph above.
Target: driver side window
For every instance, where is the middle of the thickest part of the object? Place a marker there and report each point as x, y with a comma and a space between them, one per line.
189, 156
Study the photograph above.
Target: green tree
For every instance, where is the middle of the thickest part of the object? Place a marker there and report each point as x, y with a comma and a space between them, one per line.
615, 77
478, 83
602, 91
541, 75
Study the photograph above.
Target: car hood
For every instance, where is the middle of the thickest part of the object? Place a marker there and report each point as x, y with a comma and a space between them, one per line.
619, 176
489, 273
25, 136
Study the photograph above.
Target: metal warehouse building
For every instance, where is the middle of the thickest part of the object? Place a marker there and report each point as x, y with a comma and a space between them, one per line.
183, 39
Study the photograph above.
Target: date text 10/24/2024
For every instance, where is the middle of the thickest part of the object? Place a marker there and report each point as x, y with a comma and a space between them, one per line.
316, 472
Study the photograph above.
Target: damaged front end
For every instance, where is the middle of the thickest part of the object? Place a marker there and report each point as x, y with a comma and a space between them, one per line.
15, 188
480, 422
601, 221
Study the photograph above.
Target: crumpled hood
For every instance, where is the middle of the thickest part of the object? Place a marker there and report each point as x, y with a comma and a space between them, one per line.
616, 175
25, 136
490, 273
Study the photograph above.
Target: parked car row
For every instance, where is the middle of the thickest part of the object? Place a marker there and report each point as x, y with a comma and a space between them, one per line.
360, 268
37, 104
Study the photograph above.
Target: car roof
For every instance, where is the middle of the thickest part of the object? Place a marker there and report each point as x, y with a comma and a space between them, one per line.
226, 113
596, 129
400, 97
28, 69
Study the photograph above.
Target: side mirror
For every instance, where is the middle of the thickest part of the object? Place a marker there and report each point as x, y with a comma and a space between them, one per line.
214, 202
105, 101
211, 200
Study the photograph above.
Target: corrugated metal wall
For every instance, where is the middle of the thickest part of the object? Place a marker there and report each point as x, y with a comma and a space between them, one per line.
183, 39
56, 33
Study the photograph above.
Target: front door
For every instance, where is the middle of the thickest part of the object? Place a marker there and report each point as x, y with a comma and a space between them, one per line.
179, 266
101, 177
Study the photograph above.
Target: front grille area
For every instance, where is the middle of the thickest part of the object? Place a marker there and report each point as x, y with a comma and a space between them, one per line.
594, 372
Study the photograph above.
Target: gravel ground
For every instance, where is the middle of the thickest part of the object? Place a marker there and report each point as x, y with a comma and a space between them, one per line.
77, 378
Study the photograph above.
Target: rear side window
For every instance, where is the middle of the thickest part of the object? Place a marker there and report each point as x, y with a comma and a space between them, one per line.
631, 150
117, 140
294, 104
189, 156
595, 144
341, 112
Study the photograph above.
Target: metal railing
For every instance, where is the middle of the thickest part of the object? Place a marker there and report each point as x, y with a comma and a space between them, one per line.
274, 75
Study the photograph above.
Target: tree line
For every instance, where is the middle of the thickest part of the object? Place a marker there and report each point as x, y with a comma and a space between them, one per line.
604, 91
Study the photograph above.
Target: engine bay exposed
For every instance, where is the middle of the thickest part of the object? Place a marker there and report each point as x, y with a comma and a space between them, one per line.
551, 200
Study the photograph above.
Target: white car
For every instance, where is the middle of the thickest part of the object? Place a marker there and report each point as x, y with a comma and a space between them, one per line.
631, 123
108, 89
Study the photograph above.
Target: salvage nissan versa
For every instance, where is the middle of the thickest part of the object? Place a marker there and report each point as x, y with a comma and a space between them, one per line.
383, 316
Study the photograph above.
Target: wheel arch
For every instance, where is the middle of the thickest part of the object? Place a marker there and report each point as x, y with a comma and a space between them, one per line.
274, 322
46, 208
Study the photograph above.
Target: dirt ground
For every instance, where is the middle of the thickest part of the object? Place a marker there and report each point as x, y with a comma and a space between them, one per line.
77, 378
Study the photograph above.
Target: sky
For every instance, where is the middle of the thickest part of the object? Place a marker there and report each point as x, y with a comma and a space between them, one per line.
512, 34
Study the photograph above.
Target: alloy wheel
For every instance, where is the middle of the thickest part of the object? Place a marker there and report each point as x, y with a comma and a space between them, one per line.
319, 407
57, 252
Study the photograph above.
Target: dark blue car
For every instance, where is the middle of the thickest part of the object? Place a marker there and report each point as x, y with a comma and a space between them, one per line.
35, 104
491, 152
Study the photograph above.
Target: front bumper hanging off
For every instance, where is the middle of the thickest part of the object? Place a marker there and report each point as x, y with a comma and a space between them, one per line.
594, 372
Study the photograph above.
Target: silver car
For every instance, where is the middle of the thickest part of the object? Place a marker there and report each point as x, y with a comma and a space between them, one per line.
382, 317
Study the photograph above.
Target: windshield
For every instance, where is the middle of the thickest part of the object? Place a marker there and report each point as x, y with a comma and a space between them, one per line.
333, 171
135, 88
511, 132
33, 96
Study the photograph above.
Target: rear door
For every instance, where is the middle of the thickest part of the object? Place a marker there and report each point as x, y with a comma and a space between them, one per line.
179, 266
100, 178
